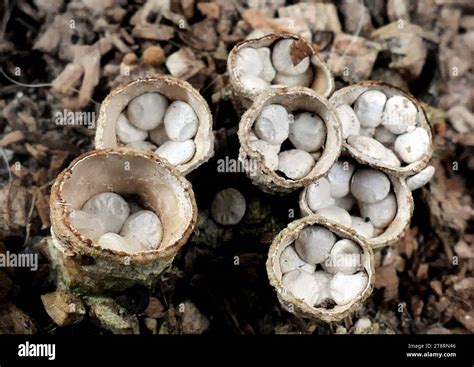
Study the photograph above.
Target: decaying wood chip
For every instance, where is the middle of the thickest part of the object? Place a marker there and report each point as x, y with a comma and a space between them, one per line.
398, 10
405, 43
19, 170
317, 16
183, 64
186, 8
11, 138
352, 58
111, 316
38, 151
192, 320
68, 79
154, 309
386, 276
461, 119
257, 20
13, 208
466, 318
463, 250
450, 207
15, 321
356, 17
89, 58
63, 307
265, 7
437, 287
153, 32
211, 10
201, 35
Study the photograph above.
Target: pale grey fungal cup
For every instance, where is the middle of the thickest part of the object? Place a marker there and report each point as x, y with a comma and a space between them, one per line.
161, 114
288, 137
319, 269
118, 218
275, 60
394, 135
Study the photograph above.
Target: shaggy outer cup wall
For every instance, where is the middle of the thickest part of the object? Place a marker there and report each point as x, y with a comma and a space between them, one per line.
348, 95
86, 267
323, 81
294, 99
171, 88
294, 305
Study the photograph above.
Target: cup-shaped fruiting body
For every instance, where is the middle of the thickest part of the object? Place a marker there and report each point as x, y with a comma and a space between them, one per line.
136, 246
320, 269
384, 127
277, 59
288, 138
375, 205
161, 114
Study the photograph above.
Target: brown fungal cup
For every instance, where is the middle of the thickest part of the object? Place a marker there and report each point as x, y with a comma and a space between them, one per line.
297, 306
293, 99
322, 83
173, 89
85, 266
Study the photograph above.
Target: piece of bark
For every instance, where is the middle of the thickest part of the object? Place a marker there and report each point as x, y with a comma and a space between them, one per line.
64, 308
352, 58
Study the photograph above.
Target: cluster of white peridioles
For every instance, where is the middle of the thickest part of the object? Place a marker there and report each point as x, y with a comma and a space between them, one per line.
151, 122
